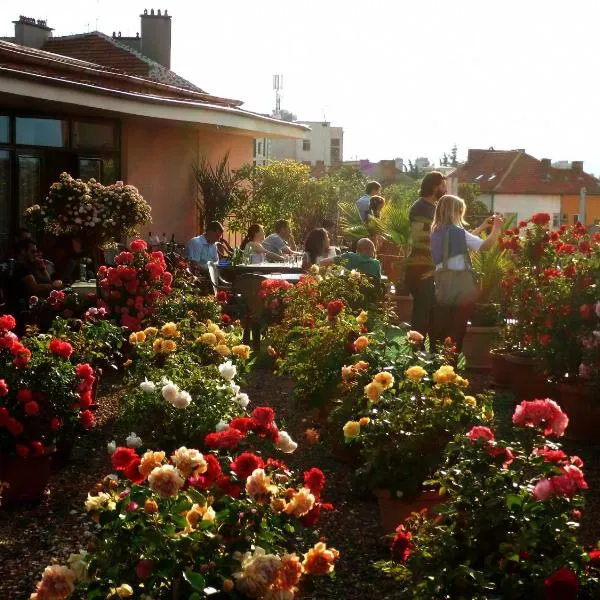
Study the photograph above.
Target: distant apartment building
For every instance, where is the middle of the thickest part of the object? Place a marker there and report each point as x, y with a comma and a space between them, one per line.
323, 146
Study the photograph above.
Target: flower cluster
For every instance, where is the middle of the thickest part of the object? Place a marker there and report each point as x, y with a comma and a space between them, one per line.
541, 413
132, 288
76, 207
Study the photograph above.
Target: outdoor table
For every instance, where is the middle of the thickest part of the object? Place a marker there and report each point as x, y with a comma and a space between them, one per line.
230, 273
83, 288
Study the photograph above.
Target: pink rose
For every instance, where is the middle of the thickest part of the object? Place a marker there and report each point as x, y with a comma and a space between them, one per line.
481, 433
543, 490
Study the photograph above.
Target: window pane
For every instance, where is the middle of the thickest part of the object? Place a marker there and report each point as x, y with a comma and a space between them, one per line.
5, 130
109, 171
29, 183
90, 168
42, 132
4, 194
99, 136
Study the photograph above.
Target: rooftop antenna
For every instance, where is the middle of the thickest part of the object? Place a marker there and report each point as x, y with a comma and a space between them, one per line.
278, 86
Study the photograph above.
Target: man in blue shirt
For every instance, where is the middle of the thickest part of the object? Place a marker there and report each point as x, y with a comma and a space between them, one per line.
203, 248
364, 202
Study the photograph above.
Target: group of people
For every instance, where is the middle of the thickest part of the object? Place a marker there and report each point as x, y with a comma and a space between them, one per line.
318, 249
437, 221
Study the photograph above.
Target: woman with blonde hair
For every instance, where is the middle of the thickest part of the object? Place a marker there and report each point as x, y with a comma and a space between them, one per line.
450, 246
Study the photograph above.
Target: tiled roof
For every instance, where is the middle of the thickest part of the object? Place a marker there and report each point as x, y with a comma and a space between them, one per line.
24, 61
100, 49
516, 172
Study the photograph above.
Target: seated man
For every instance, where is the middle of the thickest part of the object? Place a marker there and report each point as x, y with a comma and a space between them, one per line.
362, 260
282, 241
203, 248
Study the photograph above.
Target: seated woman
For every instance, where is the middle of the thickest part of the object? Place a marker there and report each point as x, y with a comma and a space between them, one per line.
254, 239
376, 204
316, 248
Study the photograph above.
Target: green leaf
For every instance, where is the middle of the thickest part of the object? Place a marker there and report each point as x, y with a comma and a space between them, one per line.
196, 580
513, 501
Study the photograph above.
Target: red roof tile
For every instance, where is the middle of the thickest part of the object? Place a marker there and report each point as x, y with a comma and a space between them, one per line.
516, 172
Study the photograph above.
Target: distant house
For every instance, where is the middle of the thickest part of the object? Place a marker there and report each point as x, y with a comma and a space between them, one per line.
111, 108
517, 184
386, 172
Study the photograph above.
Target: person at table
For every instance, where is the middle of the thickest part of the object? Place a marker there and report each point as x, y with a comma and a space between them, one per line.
363, 204
316, 248
376, 204
363, 260
330, 226
254, 239
281, 242
23, 282
202, 249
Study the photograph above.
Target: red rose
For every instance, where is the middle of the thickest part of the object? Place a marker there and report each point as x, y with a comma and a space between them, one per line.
14, 426
87, 419
334, 308
594, 556
227, 439
132, 471
3, 388
32, 408
213, 470
60, 348
276, 464
545, 339
402, 545
226, 319
314, 479
586, 311
138, 245
245, 464
122, 457
263, 416
84, 371
85, 399
310, 519
522, 224
4, 415
144, 569
243, 424
228, 487
22, 451
561, 585
55, 424
540, 218
223, 296
7, 322
38, 448
481, 433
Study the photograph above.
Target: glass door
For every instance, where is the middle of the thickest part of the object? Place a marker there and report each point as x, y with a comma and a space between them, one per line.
29, 180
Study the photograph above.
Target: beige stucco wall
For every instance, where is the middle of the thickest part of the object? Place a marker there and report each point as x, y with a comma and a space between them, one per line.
157, 157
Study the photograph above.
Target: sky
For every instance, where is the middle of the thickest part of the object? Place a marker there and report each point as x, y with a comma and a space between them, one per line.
403, 78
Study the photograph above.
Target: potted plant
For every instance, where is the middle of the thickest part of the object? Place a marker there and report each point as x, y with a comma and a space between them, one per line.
509, 521
188, 524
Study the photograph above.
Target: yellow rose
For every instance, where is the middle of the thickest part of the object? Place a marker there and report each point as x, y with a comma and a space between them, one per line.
488, 415
212, 327
385, 379
124, 591
447, 401
362, 318
314, 270
415, 373
361, 365
141, 337
351, 429
354, 275
169, 330
347, 372
222, 349
242, 351
373, 391
445, 374
150, 331
133, 338
208, 338
168, 346
460, 382
470, 400
364, 421
221, 337
157, 345
361, 343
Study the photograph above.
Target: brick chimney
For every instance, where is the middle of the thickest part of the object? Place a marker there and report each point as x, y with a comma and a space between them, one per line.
546, 163
31, 33
156, 36
577, 166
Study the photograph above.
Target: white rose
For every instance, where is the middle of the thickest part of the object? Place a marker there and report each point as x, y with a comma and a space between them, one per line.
227, 370
165, 381
79, 564
96, 502
243, 400
181, 400
170, 392
285, 443
209, 515
221, 426
111, 447
147, 386
133, 441
235, 389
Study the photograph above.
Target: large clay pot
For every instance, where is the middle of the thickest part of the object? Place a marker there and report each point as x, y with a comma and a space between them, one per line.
26, 477
394, 511
581, 405
477, 344
527, 378
500, 368
404, 306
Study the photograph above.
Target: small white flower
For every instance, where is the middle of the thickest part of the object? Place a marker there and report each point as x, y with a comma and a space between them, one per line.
285, 443
221, 426
242, 399
148, 386
170, 392
165, 381
227, 370
111, 447
133, 441
181, 400
235, 389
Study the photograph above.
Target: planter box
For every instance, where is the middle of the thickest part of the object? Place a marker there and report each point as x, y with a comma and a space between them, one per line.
394, 511
27, 478
527, 379
581, 405
500, 368
477, 345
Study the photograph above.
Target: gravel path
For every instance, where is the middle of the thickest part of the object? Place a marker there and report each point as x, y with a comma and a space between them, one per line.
30, 537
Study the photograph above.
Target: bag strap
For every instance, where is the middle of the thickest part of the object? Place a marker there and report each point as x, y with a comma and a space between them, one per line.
446, 244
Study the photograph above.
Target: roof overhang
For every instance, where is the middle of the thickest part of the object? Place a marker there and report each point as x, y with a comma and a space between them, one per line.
67, 92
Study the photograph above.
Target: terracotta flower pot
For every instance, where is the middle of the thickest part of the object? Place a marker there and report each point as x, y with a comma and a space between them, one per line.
477, 344
527, 379
581, 405
394, 511
404, 308
500, 368
27, 478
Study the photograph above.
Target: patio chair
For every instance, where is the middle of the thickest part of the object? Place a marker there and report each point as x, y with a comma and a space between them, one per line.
218, 283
